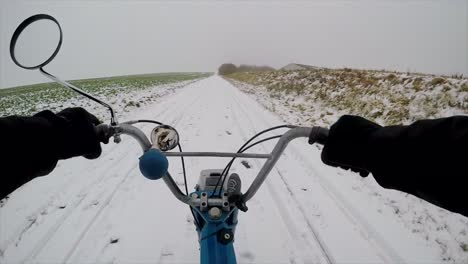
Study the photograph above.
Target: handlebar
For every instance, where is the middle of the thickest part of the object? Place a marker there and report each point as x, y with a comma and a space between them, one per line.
314, 134
275, 154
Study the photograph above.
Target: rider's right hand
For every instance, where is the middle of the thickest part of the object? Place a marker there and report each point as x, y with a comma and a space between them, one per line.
346, 145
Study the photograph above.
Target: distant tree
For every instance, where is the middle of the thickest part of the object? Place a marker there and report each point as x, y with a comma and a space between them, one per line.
227, 68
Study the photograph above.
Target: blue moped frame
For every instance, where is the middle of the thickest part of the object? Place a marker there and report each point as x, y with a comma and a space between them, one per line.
216, 236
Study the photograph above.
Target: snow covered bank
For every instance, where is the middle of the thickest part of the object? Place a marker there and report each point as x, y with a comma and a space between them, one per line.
320, 97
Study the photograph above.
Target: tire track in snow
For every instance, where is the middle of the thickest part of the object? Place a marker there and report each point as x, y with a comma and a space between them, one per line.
196, 111
290, 225
98, 213
294, 238
175, 120
386, 252
60, 189
26, 226
107, 173
199, 111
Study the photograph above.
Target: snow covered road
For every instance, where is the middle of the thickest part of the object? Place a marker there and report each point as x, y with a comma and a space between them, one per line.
103, 211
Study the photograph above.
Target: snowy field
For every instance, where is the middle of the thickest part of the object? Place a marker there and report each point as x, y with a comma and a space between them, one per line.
122, 92
104, 211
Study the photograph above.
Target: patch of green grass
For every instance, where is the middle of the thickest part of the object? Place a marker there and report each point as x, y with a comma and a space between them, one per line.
417, 84
437, 81
464, 247
464, 87
301, 108
24, 99
391, 77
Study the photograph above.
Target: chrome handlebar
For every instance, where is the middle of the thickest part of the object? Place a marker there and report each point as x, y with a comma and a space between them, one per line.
315, 135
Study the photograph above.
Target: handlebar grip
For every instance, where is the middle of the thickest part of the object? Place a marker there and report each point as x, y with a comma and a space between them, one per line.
318, 135
103, 132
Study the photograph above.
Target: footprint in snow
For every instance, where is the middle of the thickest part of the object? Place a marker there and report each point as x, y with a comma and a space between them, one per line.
189, 219
114, 240
180, 183
165, 253
247, 255
246, 164
3, 201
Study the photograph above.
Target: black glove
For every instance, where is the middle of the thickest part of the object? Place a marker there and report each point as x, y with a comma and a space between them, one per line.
346, 145
76, 134
81, 137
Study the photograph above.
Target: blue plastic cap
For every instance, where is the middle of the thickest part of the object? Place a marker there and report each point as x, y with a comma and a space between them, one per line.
153, 164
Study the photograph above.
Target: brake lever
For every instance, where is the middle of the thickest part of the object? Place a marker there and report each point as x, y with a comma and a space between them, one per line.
104, 132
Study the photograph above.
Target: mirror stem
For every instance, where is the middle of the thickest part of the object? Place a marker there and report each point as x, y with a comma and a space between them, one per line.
78, 90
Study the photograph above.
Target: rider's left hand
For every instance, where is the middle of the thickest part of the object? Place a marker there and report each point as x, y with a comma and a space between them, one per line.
76, 134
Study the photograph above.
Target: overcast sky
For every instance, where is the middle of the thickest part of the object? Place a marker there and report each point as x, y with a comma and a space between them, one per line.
106, 38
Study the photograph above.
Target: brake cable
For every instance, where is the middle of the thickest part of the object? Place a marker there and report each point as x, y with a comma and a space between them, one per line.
226, 171
228, 166
183, 166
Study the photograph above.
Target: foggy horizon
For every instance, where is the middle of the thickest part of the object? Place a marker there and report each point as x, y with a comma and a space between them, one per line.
109, 38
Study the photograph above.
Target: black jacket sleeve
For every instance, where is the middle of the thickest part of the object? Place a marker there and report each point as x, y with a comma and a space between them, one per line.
31, 146
427, 158
28, 148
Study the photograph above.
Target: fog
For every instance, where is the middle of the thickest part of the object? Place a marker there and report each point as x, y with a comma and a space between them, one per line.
107, 38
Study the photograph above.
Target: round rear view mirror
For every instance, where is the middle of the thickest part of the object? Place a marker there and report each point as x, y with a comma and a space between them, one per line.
36, 41
164, 137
